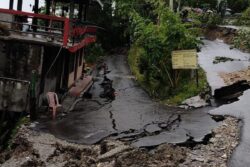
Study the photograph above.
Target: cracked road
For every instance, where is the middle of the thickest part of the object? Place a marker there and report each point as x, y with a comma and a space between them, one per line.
132, 116
238, 109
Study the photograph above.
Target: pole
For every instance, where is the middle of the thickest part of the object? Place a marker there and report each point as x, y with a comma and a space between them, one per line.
48, 4
33, 96
19, 5
11, 5
197, 78
171, 4
36, 12
179, 6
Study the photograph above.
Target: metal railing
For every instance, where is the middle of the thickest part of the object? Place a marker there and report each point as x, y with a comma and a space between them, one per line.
71, 33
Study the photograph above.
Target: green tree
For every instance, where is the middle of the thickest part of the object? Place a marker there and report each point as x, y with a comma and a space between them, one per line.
238, 5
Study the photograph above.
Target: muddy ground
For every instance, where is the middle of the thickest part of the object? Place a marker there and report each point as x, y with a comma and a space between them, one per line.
225, 34
38, 149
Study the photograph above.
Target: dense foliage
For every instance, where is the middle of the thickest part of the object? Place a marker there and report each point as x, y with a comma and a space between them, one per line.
238, 5
242, 40
155, 36
244, 19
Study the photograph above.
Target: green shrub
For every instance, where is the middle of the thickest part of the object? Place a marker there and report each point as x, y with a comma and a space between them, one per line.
156, 41
134, 61
244, 19
238, 5
242, 40
211, 19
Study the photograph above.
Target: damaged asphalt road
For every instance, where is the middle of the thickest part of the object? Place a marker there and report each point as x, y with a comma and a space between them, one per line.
230, 80
240, 110
132, 116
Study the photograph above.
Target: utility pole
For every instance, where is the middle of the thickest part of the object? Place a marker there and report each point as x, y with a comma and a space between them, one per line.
11, 5
19, 5
171, 4
179, 6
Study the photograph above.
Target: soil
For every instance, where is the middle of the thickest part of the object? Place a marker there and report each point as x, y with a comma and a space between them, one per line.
225, 34
37, 149
231, 78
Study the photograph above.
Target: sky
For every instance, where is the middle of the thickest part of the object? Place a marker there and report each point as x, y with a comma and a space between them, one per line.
26, 4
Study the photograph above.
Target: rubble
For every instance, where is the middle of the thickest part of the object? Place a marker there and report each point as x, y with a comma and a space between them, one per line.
219, 59
31, 148
231, 78
194, 102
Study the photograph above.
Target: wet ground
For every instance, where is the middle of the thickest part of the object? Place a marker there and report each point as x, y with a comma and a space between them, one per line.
137, 121
132, 116
239, 109
217, 48
33, 148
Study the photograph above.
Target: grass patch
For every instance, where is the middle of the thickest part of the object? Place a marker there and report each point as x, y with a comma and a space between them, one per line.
187, 89
20, 122
133, 60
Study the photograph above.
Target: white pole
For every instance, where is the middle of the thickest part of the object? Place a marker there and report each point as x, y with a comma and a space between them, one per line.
171, 4
179, 6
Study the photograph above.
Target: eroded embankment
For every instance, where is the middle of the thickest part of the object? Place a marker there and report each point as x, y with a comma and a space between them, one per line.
32, 148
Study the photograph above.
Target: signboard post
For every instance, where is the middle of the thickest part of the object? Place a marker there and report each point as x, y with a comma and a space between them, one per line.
185, 59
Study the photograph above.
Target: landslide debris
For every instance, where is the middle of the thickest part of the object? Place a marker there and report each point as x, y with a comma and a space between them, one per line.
37, 149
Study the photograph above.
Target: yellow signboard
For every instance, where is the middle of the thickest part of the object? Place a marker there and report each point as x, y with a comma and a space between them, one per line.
184, 59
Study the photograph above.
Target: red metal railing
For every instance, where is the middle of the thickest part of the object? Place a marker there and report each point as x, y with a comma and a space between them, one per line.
73, 36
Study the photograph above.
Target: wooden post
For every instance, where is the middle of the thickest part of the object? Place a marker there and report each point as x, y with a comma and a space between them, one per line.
35, 11
19, 5
11, 5
197, 78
